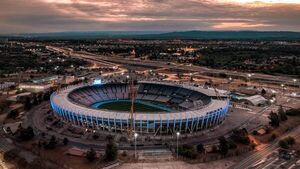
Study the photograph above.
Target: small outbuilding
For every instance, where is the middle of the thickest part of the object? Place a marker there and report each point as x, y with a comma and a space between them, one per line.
256, 100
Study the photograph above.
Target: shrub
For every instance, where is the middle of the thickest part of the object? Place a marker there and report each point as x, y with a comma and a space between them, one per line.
293, 112
111, 151
286, 142
254, 132
273, 137
187, 151
13, 114
25, 134
200, 148
91, 155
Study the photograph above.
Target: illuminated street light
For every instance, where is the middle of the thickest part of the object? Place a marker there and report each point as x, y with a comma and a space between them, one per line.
135, 136
294, 80
177, 134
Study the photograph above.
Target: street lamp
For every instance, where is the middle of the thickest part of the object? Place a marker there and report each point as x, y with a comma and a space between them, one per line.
177, 134
135, 136
282, 87
249, 76
295, 80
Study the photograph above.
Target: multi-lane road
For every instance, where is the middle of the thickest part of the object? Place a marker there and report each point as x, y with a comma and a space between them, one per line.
115, 60
255, 157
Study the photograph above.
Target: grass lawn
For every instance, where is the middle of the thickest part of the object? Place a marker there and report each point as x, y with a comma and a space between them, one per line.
125, 106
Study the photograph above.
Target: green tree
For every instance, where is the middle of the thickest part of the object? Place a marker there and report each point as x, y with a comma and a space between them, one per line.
91, 155
274, 119
13, 114
27, 104
223, 146
187, 151
281, 114
25, 134
290, 140
200, 148
65, 141
263, 92
111, 151
286, 142
283, 144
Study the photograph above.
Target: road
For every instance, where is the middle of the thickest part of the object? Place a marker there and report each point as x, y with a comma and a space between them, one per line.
158, 64
255, 157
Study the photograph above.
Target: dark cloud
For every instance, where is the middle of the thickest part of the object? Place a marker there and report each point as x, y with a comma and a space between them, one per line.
92, 15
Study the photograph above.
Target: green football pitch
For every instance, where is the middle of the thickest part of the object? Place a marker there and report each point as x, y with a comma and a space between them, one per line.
125, 106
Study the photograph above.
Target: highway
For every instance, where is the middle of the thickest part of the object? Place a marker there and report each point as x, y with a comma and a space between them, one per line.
115, 60
255, 157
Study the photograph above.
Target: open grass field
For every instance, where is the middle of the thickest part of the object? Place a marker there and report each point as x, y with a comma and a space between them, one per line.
125, 105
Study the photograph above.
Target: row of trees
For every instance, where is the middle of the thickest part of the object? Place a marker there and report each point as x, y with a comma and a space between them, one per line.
276, 118
238, 136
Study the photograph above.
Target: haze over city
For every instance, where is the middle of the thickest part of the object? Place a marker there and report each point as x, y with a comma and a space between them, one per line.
21, 16
156, 84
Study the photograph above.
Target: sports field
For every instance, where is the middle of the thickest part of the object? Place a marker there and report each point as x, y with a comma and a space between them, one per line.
125, 105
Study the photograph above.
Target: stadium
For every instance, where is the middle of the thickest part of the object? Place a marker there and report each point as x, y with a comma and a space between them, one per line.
160, 108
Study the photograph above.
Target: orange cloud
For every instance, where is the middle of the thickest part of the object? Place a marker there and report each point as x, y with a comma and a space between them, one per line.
239, 25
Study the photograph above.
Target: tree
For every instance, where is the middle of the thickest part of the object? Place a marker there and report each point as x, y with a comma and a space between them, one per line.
13, 114
27, 103
91, 155
293, 112
263, 92
240, 136
223, 145
283, 144
25, 134
52, 143
286, 142
111, 151
200, 148
65, 141
35, 100
187, 151
290, 140
281, 114
274, 119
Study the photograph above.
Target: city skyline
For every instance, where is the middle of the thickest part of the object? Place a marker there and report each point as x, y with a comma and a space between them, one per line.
20, 16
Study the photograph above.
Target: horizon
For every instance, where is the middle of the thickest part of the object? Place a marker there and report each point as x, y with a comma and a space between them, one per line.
140, 32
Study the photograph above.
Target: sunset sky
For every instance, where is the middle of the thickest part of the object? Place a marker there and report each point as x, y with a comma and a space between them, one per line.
20, 16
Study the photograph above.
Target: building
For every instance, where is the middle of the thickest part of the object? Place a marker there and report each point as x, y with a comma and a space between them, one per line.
256, 100
33, 87
186, 108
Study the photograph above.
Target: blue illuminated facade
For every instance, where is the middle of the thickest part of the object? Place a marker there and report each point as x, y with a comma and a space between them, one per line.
148, 123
